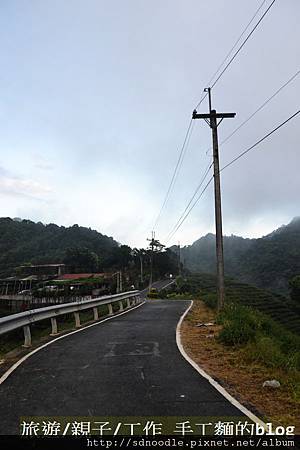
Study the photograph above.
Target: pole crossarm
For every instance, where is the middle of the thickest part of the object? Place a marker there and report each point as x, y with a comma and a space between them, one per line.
213, 115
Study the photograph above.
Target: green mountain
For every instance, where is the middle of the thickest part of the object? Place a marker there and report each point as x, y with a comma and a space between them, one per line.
81, 249
23, 241
269, 262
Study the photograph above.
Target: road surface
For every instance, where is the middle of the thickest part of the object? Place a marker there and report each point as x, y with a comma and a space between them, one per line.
127, 366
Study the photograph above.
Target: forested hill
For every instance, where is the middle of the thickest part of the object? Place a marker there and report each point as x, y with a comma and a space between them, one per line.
23, 241
269, 262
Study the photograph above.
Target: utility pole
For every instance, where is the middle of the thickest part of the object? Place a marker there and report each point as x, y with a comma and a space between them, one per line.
118, 285
120, 282
152, 243
179, 260
141, 267
211, 120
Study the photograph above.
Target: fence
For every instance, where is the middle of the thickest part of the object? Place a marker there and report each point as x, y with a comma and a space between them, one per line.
25, 319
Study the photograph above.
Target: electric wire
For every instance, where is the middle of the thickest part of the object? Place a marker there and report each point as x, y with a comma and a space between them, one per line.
260, 140
182, 152
176, 170
261, 107
229, 164
183, 149
242, 45
192, 198
238, 50
190, 210
256, 111
236, 42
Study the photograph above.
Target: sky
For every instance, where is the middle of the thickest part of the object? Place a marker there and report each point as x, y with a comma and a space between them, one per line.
96, 98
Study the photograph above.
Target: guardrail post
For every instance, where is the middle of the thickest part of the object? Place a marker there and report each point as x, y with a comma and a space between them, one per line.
27, 336
77, 319
96, 314
128, 303
110, 310
53, 326
121, 306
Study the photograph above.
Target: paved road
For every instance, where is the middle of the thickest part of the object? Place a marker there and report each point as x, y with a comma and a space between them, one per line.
157, 285
128, 366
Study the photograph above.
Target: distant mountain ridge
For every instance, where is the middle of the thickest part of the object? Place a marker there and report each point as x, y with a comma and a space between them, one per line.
24, 241
268, 262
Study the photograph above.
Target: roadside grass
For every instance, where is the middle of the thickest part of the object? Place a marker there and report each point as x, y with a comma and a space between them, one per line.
246, 348
280, 308
260, 340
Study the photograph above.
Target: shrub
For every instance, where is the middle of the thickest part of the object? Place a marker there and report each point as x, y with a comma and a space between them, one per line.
240, 324
266, 351
293, 362
236, 333
210, 300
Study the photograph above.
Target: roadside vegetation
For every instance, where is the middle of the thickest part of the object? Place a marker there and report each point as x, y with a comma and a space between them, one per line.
242, 347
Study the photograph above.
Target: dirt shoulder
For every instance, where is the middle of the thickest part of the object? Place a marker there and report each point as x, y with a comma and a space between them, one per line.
243, 381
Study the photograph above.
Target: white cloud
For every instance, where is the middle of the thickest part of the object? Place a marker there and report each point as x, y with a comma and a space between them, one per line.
13, 185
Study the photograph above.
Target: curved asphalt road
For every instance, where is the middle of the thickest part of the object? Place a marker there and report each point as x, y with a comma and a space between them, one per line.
127, 366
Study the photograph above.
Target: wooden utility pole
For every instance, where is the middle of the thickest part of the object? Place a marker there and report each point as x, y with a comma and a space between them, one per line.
141, 267
211, 120
179, 259
118, 283
152, 243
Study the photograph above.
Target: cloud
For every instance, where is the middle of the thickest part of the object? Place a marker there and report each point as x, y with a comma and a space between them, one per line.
41, 163
44, 166
13, 185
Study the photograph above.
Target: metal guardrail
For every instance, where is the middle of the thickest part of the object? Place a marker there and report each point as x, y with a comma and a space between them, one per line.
25, 319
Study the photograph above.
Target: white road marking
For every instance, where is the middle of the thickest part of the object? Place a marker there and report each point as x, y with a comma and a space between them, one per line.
213, 382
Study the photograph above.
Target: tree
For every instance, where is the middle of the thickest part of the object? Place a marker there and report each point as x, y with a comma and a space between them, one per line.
295, 288
81, 260
124, 256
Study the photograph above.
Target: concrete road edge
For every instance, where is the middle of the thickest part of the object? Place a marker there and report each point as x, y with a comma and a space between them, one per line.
213, 382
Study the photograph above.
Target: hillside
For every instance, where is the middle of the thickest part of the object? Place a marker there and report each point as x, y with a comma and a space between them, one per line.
279, 308
81, 249
201, 255
23, 241
268, 262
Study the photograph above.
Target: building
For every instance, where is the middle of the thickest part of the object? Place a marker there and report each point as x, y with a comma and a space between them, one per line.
41, 271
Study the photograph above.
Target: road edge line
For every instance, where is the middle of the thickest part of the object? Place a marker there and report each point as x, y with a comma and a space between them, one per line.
205, 375
20, 361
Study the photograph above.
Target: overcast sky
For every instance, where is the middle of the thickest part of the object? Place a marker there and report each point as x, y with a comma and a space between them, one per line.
96, 97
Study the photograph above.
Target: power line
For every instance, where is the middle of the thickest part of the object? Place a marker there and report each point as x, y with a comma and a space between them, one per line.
260, 140
257, 110
229, 164
261, 107
191, 208
243, 43
192, 198
238, 50
236, 42
183, 149
176, 170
